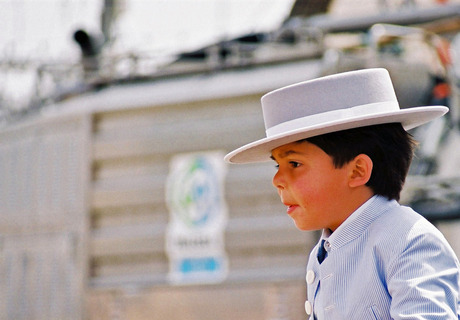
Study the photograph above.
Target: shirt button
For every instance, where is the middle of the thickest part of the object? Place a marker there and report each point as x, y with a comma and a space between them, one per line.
327, 246
308, 308
310, 276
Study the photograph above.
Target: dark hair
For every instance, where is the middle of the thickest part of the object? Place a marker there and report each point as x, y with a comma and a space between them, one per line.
389, 146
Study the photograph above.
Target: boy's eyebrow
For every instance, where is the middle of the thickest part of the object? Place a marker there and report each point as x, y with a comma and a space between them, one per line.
285, 154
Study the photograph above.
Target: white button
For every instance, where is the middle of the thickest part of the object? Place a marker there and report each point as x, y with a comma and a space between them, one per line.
310, 276
308, 307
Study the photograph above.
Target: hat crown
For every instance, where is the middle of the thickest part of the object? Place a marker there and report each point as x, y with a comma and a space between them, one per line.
331, 93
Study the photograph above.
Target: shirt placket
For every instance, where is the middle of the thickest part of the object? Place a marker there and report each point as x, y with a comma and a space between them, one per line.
321, 308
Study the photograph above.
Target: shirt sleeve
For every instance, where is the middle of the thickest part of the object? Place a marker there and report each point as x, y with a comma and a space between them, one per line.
423, 280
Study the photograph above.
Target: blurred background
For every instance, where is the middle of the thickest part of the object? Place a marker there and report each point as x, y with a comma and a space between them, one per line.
115, 202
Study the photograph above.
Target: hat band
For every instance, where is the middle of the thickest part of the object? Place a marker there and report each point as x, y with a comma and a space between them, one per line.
334, 115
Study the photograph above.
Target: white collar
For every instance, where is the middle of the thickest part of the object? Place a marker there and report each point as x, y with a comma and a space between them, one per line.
327, 233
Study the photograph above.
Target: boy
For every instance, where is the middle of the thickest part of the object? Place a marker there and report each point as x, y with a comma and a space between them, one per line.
343, 153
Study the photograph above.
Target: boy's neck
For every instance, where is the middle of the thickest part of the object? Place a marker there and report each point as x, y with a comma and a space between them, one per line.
356, 200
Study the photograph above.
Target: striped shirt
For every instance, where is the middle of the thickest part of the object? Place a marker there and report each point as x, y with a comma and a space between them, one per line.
384, 262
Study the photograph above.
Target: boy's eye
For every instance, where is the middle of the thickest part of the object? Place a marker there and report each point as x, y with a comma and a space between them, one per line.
294, 164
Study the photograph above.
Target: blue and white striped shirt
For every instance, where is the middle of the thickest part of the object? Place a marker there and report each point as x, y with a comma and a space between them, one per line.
384, 262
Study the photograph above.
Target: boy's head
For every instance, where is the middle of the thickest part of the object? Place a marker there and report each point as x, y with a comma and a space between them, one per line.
337, 141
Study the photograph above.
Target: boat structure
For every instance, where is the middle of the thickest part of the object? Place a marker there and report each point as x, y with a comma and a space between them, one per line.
116, 202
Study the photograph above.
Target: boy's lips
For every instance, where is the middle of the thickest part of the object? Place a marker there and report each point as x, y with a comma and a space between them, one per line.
291, 208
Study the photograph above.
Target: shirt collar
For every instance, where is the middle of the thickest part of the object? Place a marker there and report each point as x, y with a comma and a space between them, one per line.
358, 221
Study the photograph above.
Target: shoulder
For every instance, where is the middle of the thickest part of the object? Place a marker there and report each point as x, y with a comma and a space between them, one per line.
401, 225
402, 221
402, 232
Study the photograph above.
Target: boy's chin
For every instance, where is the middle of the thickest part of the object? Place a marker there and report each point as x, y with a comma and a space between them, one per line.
302, 226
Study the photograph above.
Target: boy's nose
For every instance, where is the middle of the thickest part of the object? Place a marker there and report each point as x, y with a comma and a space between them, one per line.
278, 180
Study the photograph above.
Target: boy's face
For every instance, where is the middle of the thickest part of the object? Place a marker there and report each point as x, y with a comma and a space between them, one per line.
313, 189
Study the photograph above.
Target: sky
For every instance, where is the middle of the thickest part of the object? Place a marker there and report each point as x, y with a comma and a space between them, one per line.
187, 24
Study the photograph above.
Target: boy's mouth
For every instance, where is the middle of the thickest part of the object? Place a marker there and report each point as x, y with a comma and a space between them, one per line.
291, 208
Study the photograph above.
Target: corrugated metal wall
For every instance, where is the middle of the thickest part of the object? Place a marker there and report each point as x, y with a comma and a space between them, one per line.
44, 177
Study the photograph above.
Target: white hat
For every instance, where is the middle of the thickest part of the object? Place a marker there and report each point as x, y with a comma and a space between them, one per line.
328, 104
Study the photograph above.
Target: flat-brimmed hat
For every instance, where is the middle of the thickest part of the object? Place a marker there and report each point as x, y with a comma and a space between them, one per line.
329, 104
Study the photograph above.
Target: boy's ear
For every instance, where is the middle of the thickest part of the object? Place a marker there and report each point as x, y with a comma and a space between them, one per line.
360, 170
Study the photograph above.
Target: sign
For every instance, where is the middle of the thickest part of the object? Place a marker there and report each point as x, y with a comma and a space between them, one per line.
198, 216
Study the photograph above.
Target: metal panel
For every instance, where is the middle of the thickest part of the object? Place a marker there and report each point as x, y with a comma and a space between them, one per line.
44, 165
39, 277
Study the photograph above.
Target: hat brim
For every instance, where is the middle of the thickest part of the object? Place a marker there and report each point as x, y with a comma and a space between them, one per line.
260, 150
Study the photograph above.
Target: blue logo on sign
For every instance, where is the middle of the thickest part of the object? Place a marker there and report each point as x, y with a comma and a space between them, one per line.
194, 193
